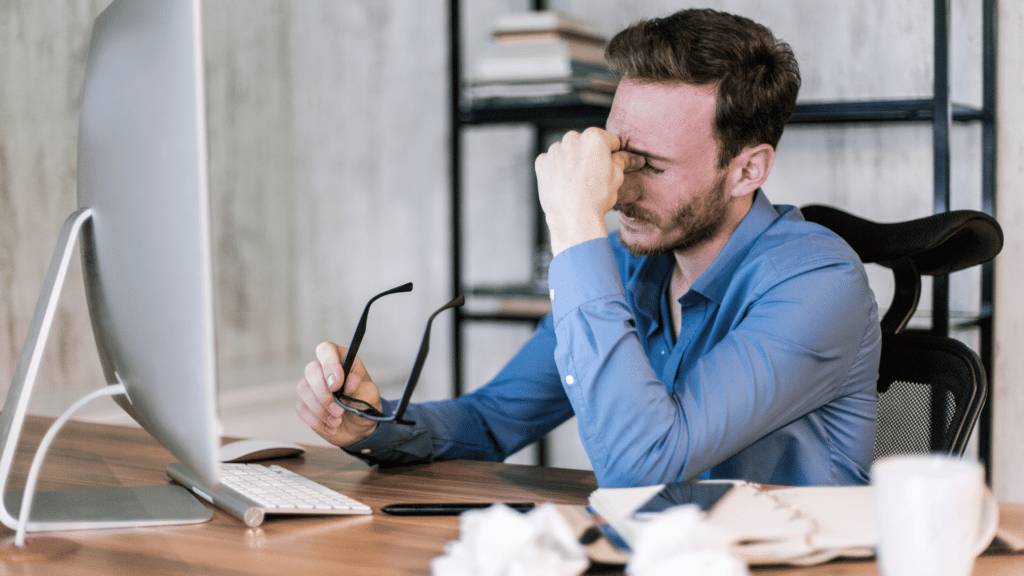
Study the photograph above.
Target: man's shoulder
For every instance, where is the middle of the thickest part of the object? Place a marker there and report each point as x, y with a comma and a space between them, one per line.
792, 239
790, 248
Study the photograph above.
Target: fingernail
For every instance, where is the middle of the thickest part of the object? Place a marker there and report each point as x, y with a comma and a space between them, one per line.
334, 409
330, 380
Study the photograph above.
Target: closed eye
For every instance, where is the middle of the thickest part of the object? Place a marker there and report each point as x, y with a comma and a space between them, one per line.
647, 158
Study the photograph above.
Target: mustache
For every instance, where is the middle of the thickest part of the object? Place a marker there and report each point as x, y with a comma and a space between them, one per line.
635, 212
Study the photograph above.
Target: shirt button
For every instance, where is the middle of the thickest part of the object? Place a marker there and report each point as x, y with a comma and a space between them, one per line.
569, 380
365, 450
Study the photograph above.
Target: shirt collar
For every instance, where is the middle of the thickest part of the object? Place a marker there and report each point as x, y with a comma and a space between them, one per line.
715, 280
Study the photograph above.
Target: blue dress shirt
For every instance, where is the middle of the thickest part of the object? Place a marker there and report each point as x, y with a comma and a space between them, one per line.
772, 378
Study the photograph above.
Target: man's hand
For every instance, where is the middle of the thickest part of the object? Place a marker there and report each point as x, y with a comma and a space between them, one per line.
316, 406
578, 180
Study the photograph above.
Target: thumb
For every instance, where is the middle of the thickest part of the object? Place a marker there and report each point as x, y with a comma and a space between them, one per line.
630, 162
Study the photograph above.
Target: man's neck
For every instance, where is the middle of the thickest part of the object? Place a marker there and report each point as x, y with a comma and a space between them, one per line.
692, 262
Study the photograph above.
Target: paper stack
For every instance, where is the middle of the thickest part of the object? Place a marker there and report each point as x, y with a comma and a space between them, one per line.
800, 526
542, 56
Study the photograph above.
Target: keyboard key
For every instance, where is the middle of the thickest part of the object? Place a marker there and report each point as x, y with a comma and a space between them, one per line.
280, 490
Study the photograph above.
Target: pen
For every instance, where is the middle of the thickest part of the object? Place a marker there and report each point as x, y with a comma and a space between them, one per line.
448, 508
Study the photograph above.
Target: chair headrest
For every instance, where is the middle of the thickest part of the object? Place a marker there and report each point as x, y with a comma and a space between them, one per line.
936, 244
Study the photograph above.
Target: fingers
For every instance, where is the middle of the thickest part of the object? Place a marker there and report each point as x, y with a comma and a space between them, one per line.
594, 135
626, 161
326, 430
610, 140
330, 357
630, 162
318, 397
317, 407
574, 144
316, 390
577, 182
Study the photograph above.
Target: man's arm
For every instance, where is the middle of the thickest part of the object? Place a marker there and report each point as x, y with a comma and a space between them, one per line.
787, 355
519, 406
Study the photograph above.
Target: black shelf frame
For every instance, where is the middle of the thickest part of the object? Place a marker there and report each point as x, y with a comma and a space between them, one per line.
546, 116
880, 111
938, 110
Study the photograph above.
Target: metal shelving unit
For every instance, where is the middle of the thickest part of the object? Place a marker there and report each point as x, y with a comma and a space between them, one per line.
939, 111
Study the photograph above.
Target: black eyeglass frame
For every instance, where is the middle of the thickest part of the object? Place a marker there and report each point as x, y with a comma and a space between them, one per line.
368, 411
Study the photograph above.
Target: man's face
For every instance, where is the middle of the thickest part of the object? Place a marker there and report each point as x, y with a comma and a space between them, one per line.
678, 200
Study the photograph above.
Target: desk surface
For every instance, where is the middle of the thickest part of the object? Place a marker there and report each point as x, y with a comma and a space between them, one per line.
87, 455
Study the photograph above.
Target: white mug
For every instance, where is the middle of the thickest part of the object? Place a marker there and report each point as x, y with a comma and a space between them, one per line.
933, 514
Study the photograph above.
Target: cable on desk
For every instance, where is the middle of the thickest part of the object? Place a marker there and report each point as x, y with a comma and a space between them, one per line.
44, 446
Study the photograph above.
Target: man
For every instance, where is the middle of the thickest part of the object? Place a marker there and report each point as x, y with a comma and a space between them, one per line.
714, 336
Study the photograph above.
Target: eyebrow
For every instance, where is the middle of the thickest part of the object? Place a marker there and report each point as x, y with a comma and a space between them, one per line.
644, 153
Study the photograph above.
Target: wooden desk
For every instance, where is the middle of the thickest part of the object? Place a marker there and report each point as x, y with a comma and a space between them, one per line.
87, 455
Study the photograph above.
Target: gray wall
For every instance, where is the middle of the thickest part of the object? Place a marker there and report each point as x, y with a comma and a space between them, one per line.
1008, 448
328, 181
328, 148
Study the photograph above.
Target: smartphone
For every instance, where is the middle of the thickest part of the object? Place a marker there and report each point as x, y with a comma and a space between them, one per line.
703, 494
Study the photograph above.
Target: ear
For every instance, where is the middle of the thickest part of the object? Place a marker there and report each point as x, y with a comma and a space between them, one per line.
750, 168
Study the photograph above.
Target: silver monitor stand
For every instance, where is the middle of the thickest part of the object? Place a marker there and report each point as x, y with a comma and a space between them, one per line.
112, 507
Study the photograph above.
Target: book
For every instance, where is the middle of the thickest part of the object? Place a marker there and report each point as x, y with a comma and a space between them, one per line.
575, 98
541, 44
539, 60
545, 47
597, 91
512, 24
544, 58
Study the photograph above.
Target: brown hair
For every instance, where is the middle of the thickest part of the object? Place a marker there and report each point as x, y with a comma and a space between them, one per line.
756, 74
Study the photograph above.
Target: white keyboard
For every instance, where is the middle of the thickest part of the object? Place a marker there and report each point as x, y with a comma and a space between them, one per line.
250, 491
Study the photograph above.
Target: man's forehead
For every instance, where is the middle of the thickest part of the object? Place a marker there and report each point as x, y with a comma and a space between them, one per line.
649, 117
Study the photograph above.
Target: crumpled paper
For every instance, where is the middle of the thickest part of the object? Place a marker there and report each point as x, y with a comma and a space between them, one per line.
679, 541
498, 541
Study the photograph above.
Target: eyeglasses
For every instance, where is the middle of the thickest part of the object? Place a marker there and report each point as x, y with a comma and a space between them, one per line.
364, 409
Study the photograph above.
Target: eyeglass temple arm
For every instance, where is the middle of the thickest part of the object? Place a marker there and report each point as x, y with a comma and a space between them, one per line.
421, 359
357, 338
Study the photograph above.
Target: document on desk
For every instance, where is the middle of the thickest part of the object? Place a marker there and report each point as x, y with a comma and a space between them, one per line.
801, 526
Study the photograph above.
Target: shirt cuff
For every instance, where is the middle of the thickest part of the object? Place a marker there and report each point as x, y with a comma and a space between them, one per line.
386, 437
581, 274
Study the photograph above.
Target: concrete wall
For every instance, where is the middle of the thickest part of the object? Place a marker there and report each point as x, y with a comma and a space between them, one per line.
328, 147
328, 180
1008, 393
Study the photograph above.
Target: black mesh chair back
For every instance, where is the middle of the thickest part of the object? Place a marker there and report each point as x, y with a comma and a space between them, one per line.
930, 388
930, 393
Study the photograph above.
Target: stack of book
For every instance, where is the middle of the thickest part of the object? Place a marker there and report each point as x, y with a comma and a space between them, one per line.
542, 57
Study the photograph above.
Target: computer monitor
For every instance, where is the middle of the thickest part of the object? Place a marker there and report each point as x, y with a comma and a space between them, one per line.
143, 227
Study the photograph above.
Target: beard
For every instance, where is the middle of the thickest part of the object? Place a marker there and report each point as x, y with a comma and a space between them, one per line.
690, 224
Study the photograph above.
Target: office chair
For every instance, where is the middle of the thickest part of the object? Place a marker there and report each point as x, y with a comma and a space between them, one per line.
930, 393
931, 388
